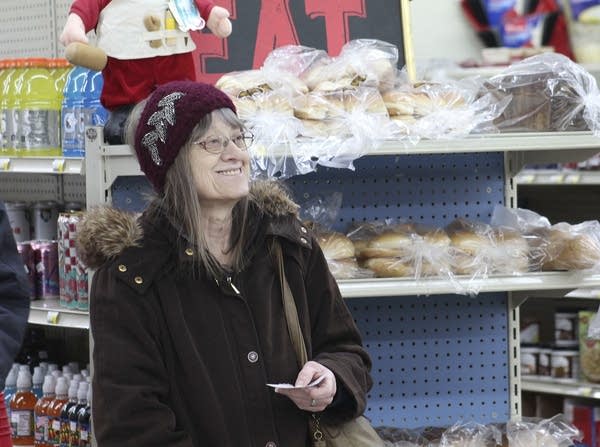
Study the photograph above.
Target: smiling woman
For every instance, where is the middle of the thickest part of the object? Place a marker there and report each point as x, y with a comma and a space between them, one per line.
186, 303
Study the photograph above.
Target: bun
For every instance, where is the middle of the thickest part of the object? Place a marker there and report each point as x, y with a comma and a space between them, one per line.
389, 267
389, 244
343, 268
336, 246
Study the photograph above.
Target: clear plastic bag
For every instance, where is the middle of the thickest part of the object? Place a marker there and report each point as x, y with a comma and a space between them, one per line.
548, 92
594, 328
553, 432
471, 434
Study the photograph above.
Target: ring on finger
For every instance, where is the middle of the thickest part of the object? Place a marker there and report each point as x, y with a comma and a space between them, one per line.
313, 402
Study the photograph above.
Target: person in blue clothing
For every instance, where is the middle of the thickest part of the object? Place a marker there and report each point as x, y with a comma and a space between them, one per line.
14, 297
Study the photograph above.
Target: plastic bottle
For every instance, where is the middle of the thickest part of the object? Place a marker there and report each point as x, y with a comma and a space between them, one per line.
21, 411
72, 116
40, 412
4, 71
55, 409
84, 428
64, 415
95, 114
38, 381
10, 388
11, 96
40, 111
73, 413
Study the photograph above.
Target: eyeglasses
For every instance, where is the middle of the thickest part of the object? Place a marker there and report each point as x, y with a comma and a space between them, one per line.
216, 145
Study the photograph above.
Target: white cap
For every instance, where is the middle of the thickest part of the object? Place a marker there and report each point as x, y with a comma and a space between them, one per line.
49, 384
61, 388
82, 391
74, 366
56, 373
44, 366
52, 366
78, 377
24, 368
38, 375
66, 369
24, 379
11, 379
72, 393
68, 375
84, 372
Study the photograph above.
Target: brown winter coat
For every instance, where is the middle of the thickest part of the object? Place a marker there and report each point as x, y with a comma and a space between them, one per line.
181, 360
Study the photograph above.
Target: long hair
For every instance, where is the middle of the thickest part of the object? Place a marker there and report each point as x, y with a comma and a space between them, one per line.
179, 200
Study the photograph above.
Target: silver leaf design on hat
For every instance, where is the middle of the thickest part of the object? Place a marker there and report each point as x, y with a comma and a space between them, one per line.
160, 120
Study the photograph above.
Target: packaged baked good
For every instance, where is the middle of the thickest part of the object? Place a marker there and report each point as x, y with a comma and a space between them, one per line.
471, 434
548, 92
589, 348
553, 432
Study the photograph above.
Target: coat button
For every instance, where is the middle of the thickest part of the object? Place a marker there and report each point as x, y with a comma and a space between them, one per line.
270, 444
122, 268
252, 357
303, 240
189, 252
304, 230
138, 280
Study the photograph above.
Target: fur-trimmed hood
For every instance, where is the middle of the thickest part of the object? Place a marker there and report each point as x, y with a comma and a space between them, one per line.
105, 231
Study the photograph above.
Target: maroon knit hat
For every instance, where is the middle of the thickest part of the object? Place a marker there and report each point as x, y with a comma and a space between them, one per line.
168, 118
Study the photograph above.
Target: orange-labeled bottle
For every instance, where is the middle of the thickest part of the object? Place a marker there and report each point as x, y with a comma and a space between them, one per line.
54, 410
21, 411
40, 412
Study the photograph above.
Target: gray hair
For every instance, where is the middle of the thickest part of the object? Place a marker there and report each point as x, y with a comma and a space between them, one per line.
179, 201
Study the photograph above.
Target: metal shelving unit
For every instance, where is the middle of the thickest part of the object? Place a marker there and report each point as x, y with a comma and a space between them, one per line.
557, 177
563, 388
42, 165
50, 313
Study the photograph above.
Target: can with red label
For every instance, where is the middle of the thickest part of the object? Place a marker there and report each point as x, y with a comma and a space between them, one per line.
18, 220
46, 269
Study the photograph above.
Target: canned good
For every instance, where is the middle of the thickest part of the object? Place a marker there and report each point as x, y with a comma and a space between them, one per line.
544, 363
530, 331
529, 360
45, 216
18, 220
28, 257
46, 269
565, 329
68, 260
565, 364
73, 206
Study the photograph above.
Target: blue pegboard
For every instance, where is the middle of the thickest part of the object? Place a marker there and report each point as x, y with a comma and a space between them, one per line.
436, 360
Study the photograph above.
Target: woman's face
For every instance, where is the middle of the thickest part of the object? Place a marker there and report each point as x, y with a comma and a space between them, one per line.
220, 178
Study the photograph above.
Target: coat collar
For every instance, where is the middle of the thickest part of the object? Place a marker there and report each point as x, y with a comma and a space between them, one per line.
107, 233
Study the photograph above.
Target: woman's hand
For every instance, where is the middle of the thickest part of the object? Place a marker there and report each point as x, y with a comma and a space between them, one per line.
315, 398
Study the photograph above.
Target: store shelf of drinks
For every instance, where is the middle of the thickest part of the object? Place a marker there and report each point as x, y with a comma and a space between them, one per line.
557, 177
561, 387
42, 165
49, 312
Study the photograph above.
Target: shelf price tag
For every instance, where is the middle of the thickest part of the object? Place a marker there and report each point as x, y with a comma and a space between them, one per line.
526, 178
4, 164
573, 179
556, 178
585, 391
52, 317
58, 165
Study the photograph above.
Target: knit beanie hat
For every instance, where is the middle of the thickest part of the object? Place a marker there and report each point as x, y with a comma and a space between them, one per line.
169, 116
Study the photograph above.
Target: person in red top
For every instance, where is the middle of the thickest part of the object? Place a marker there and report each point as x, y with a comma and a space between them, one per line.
142, 49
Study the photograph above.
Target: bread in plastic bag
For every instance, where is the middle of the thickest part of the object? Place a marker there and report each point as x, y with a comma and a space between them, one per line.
553, 432
471, 434
548, 92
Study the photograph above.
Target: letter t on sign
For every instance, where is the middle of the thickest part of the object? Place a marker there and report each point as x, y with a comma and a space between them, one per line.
336, 16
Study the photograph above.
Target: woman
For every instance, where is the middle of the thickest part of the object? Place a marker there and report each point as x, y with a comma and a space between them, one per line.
186, 307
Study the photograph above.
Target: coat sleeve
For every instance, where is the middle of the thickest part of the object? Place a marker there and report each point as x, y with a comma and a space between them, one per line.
336, 341
205, 7
130, 381
14, 297
88, 11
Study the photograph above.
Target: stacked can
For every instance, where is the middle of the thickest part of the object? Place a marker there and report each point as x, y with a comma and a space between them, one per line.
28, 256
46, 269
72, 274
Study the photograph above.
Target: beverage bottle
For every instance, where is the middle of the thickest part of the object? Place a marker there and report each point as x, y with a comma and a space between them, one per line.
74, 367
11, 96
21, 411
4, 71
95, 114
72, 114
64, 415
54, 410
10, 388
73, 413
38, 380
84, 427
40, 412
40, 111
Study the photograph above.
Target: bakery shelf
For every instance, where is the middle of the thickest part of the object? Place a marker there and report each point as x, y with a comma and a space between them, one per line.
42, 165
563, 388
585, 294
557, 177
535, 282
50, 313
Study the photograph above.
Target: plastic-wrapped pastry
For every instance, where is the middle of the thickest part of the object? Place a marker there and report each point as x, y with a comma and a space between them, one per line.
335, 245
